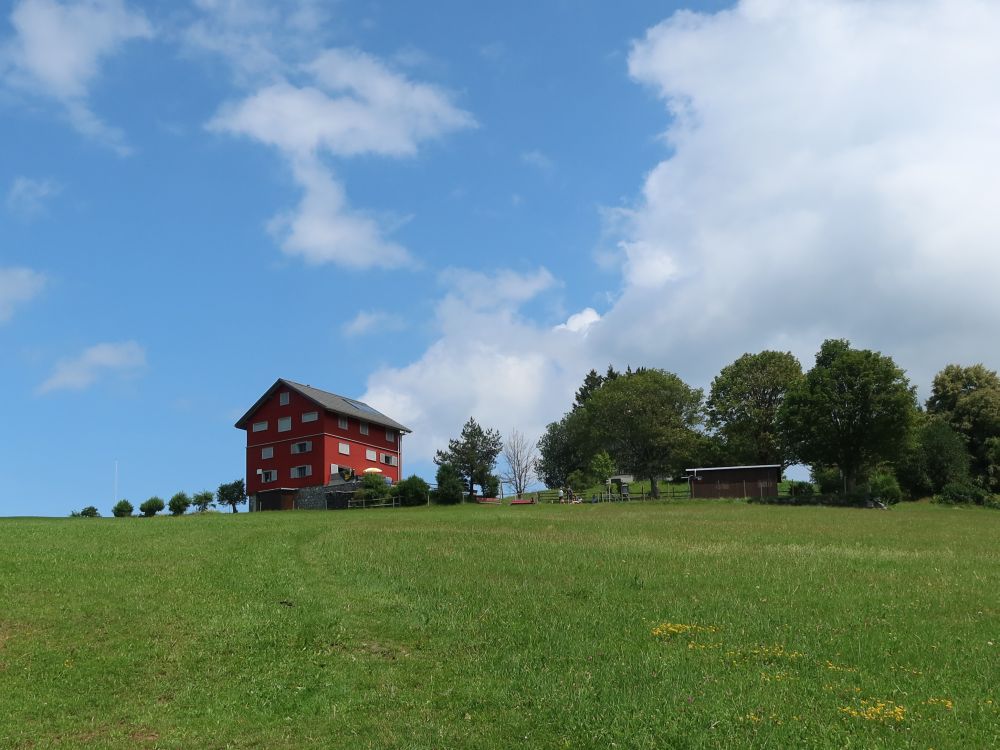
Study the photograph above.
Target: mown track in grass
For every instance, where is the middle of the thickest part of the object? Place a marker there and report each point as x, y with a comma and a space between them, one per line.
499, 626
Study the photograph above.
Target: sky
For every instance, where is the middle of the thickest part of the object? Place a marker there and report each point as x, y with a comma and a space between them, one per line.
453, 209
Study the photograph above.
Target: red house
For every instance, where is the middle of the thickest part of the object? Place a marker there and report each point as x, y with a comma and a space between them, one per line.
299, 438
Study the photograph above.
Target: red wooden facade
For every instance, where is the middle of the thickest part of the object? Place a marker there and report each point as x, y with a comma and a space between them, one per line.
297, 438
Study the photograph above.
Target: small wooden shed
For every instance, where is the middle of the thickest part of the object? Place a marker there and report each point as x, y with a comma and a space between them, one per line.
735, 481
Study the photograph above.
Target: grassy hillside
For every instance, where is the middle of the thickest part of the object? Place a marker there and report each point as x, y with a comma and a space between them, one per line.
633, 626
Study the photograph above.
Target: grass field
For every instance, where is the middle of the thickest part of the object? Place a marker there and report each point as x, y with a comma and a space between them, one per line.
656, 625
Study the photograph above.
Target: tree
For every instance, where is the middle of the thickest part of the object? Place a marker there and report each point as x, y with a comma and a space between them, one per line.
968, 398
520, 456
373, 487
179, 504
152, 506
602, 466
936, 456
413, 491
449, 486
232, 494
955, 382
563, 448
202, 500
123, 509
90, 512
592, 381
853, 409
473, 454
744, 401
646, 422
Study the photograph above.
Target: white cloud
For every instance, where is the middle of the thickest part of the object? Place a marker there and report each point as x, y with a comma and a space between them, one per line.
27, 197
59, 48
831, 173
18, 286
82, 371
352, 105
372, 321
539, 161
487, 361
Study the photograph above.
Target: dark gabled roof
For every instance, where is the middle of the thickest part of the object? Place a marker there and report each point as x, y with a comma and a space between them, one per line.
348, 407
723, 468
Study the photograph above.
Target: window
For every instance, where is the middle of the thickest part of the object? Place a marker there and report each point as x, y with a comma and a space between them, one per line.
284, 424
370, 454
283, 399
342, 423
304, 447
310, 416
345, 448
267, 452
269, 475
389, 459
390, 435
298, 472
259, 426
364, 428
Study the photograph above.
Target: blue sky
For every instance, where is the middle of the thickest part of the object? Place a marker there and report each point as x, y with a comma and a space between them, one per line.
453, 209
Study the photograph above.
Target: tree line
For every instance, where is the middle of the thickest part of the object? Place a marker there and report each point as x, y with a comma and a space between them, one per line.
229, 493
853, 418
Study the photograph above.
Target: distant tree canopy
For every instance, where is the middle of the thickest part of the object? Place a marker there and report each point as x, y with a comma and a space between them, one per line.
853, 409
202, 500
743, 406
179, 504
122, 509
152, 506
473, 454
968, 399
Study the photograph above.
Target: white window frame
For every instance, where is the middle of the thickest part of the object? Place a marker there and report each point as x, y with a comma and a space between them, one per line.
390, 435
284, 424
260, 426
364, 428
310, 416
283, 398
342, 423
267, 452
370, 454
301, 472
344, 449
389, 459
307, 446
268, 475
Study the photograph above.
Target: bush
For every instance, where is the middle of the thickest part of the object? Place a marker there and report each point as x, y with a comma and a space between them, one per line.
202, 500
412, 491
449, 486
373, 487
122, 509
179, 504
89, 512
151, 507
801, 489
883, 486
958, 493
828, 479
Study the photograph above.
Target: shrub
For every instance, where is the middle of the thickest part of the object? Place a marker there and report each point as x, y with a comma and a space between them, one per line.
202, 500
801, 489
89, 512
373, 487
151, 507
412, 491
122, 509
580, 480
179, 504
449, 486
828, 479
883, 486
957, 493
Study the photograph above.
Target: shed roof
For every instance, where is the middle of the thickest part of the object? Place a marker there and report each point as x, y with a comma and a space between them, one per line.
348, 407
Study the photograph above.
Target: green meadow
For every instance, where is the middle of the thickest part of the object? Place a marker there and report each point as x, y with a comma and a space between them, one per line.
674, 624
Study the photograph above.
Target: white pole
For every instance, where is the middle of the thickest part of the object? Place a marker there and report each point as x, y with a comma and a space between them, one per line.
116, 483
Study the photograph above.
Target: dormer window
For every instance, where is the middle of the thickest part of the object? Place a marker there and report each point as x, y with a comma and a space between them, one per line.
283, 398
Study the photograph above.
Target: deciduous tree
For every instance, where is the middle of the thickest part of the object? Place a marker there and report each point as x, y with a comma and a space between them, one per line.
232, 494
520, 457
744, 401
853, 409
